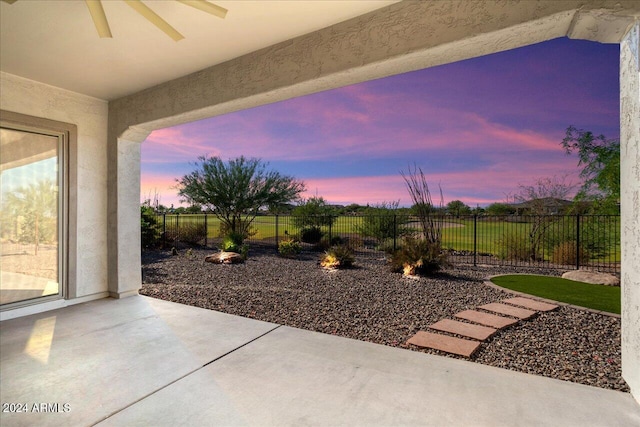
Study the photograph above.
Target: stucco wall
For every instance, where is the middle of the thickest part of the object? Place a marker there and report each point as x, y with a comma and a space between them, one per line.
87, 230
630, 206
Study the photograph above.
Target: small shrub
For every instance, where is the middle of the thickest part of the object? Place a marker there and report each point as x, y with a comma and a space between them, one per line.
355, 241
311, 234
514, 246
340, 256
232, 242
567, 253
289, 248
322, 246
313, 212
386, 246
338, 240
149, 227
382, 222
418, 256
243, 229
192, 233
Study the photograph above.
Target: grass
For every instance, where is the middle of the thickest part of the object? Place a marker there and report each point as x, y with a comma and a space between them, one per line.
488, 232
597, 297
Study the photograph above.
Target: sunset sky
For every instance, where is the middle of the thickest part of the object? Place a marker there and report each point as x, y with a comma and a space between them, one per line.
479, 128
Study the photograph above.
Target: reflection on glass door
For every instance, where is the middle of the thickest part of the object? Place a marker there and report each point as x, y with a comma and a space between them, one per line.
30, 215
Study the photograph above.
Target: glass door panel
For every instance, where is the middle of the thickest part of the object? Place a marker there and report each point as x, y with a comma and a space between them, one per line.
30, 226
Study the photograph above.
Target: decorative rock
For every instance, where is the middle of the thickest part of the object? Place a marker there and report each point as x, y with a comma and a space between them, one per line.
592, 277
224, 258
357, 305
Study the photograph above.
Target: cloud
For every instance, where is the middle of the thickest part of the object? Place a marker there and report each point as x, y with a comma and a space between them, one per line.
480, 127
317, 127
173, 145
471, 187
161, 185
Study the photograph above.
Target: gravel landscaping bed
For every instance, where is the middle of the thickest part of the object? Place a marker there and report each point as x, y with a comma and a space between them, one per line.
370, 303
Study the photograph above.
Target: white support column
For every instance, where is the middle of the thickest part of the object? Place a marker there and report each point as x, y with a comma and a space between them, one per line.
125, 276
630, 205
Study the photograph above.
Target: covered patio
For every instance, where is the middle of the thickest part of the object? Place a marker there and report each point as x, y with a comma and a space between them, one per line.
97, 352
142, 361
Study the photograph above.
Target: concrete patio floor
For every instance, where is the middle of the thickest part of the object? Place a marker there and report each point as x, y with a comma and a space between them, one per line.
141, 361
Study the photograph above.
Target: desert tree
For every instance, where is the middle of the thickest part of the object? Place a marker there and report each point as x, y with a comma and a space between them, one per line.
542, 192
423, 207
235, 191
600, 161
313, 212
500, 209
382, 222
420, 255
458, 208
539, 197
310, 216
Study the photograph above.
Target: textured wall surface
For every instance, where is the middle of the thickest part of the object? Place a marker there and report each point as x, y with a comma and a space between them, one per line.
89, 167
630, 206
126, 277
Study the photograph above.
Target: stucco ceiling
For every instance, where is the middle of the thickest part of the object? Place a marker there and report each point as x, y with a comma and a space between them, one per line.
55, 42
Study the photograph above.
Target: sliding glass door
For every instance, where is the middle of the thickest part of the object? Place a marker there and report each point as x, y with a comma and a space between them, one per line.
31, 215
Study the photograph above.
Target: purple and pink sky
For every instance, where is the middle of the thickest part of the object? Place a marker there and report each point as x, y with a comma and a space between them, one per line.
479, 128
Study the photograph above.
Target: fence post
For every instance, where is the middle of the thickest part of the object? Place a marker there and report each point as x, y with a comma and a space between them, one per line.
164, 229
395, 231
206, 231
277, 242
475, 240
577, 241
177, 237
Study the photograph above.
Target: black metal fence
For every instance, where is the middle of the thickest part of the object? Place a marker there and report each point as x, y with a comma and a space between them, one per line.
549, 241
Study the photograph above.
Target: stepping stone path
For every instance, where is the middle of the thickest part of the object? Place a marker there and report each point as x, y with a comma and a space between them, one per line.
476, 332
486, 319
484, 325
509, 310
444, 343
531, 304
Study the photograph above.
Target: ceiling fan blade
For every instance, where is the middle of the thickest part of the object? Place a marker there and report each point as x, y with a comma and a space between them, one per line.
99, 18
10, 1
205, 6
155, 19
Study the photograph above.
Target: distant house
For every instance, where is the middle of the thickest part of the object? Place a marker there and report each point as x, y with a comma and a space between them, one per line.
544, 206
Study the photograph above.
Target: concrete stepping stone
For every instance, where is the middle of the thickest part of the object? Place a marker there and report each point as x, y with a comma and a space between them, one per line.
486, 319
531, 304
465, 329
453, 345
509, 310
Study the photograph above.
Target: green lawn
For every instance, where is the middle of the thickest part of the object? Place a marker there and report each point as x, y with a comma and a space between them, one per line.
488, 233
597, 297
457, 234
